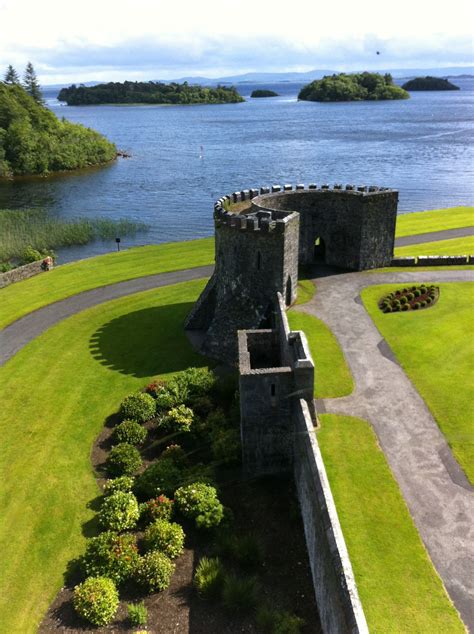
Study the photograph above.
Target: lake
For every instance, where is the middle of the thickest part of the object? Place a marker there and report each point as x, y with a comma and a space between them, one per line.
421, 146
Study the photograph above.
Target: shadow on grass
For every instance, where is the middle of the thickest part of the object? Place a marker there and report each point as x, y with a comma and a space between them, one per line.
146, 342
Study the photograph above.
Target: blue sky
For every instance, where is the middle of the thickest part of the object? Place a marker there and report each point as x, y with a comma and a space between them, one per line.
149, 39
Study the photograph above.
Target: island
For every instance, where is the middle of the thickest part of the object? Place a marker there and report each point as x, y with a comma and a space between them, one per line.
150, 92
34, 141
356, 87
256, 94
429, 83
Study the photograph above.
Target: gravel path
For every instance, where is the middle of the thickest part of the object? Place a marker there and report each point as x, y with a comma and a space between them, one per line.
435, 236
24, 330
438, 494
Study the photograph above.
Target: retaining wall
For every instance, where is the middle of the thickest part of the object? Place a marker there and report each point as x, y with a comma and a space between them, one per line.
21, 273
339, 606
433, 260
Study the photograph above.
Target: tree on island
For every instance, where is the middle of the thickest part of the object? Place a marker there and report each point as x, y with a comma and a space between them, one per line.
357, 87
31, 84
11, 76
259, 93
429, 83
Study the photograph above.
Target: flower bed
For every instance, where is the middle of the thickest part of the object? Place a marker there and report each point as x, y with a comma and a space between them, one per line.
409, 298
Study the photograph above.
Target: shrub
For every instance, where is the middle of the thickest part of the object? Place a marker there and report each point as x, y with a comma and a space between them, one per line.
226, 446
124, 459
160, 478
119, 511
139, 407
169, 396
175, 453
429, 300
96, 600
416, 305
244, 550
111, 555
200, 503
411, 296
403, 301
271, 621
122, 483
177, 419
416, 292
159, 508
155, 387
167, 537
196, 382
131, 432
405, 307
423, 304
387, 309
202, 406
423, 290
154, 571
137, 613
209, 577
239, 594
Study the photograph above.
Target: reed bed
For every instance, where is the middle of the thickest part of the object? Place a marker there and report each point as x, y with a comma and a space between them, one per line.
41, 230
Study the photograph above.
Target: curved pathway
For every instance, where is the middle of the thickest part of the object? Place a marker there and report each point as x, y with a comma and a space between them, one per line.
27, 328
435, 236
438, 494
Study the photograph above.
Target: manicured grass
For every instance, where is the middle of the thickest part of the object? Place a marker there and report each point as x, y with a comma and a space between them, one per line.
306, 291
398, 586
332, 377
435, 346
23, 297
435, 220
55, 394
454, 246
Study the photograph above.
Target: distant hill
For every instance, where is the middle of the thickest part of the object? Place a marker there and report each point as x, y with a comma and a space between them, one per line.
359, 87
429, 83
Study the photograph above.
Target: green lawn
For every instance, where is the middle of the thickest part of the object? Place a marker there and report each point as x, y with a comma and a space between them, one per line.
398, 586
332, 377
435, 346
306, 291
454, 246
436, 220
55, 394
23, 297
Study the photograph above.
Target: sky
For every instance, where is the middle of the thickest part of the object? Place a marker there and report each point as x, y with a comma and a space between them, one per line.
101, 40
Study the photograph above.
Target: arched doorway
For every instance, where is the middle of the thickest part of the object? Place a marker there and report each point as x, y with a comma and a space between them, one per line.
289, 291
319, 250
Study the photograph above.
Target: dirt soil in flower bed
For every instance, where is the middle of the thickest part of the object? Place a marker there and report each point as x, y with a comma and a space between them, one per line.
265, 508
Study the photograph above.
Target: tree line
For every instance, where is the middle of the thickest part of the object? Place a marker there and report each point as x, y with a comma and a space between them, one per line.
354, 87
30, 81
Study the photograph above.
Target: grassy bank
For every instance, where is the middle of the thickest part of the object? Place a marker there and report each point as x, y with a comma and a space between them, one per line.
439, 337
454, 246
398, 586
81, 369
40, 230
332, 377
434, 220
69, 279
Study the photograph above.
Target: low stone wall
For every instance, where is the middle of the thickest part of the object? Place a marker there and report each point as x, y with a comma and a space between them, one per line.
22, 273
336, 593
434, 260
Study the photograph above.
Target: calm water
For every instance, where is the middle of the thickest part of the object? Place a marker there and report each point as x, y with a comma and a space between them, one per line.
421, 146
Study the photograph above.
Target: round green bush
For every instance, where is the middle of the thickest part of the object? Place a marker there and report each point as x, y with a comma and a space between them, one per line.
177, 419
119, 512
410, 297
159, 508
417, 292
167, 537
196, 382
124, 459
429, 300
403, 301
387, 309
122, 483
416, 305
161, 477
131, 432
423, 304
110, 555
423, 290
96, 600
139, 407
175, 453
200, 503
405, 307
154, 571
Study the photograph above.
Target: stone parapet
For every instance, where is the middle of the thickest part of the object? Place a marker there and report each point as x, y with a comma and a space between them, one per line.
26, 271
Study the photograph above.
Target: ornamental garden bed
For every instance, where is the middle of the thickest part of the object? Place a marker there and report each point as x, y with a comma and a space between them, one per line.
179, 535
409, 298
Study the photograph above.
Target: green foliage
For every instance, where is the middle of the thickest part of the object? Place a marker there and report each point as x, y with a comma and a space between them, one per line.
239, 594
96, 600
131, 432
209, 577
244, 550
225, 446
122, 483
31, 84
123, 459
160, 478
34, 141
356, 87
137, 613
111, 555
33, 255
11, 76
147, 92
40, 230
159, 508
178, 419
119, 511
196, 382
154, 571
199, 502
139, 407
256, 94
429, 83
167, 537
271, 621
